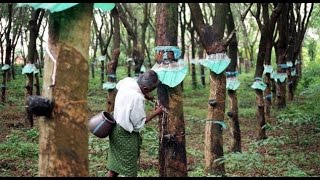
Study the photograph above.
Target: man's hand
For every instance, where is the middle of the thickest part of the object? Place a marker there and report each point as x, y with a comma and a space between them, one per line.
158, 110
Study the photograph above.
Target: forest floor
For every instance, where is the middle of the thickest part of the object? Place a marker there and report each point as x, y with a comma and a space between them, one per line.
291, 149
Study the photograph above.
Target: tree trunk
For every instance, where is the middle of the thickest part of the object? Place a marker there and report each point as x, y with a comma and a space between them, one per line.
172, 145
112, 65
95, 48
31, 60
260, 116
193, 56
202, 74
264, 56
281, 50
270, 27
3, 86
211, 39
36, 76
8, 54
232, 94
102, 71
63, 140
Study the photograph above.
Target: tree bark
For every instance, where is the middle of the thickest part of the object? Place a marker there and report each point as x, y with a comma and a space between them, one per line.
32, 55
281, 51
202, 74
211, 39
63, 141
270, 23
112, 65
232, 94
172, 144
8, 54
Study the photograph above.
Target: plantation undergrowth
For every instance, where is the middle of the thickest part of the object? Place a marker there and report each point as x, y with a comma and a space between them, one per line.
291, 149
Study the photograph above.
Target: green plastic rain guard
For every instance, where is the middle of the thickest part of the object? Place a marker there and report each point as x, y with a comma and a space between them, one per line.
36, 71
289, 64
221, 123
57, 7
129, 59
232, 83
5, 67
28, 68
267, 69
102, 58
108, 85
216, 62
259, 84
171, 73
280, 76
193, 61
272, 75
175, 49
104, 6
143, 68
293, 72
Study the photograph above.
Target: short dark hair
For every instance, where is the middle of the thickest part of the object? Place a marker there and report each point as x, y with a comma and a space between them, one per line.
148, 79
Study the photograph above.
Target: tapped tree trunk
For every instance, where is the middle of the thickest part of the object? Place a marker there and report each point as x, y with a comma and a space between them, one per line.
32, 56
232, 94
281, 53
211, 37
193, 56
270, 23
8, 54
264, 56
202, 74
63, 141
172, 145
112, 65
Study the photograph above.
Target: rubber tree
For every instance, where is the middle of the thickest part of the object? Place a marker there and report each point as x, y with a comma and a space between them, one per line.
269, 23
34, 26
202, 73
112, 65
130, 22
232, 93
103, 42
172, 144
94, 46
268, 28
281, 53
7, 53
211, 37
63, 141
191, 30
264, 54
16, 33
298, 26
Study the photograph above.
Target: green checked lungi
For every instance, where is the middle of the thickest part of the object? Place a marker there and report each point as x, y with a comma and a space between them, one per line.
123, 151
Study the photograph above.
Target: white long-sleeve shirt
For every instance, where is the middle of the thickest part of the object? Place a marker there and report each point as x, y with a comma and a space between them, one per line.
129, 105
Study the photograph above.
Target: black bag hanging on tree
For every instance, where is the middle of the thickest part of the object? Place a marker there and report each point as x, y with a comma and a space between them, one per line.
40, 106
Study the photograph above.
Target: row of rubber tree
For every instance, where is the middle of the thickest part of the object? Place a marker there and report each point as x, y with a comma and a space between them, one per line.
63, 141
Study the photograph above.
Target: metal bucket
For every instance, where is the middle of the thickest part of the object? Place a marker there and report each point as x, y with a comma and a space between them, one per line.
101, 124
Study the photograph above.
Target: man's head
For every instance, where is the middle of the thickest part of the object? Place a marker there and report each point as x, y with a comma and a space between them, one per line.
148, 81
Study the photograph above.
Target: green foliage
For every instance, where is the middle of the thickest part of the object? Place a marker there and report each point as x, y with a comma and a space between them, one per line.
150, 142
98, 149
310, 75
17, 145
312, 49
262, 164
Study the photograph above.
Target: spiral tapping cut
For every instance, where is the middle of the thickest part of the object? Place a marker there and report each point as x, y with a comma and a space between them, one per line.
157, 103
